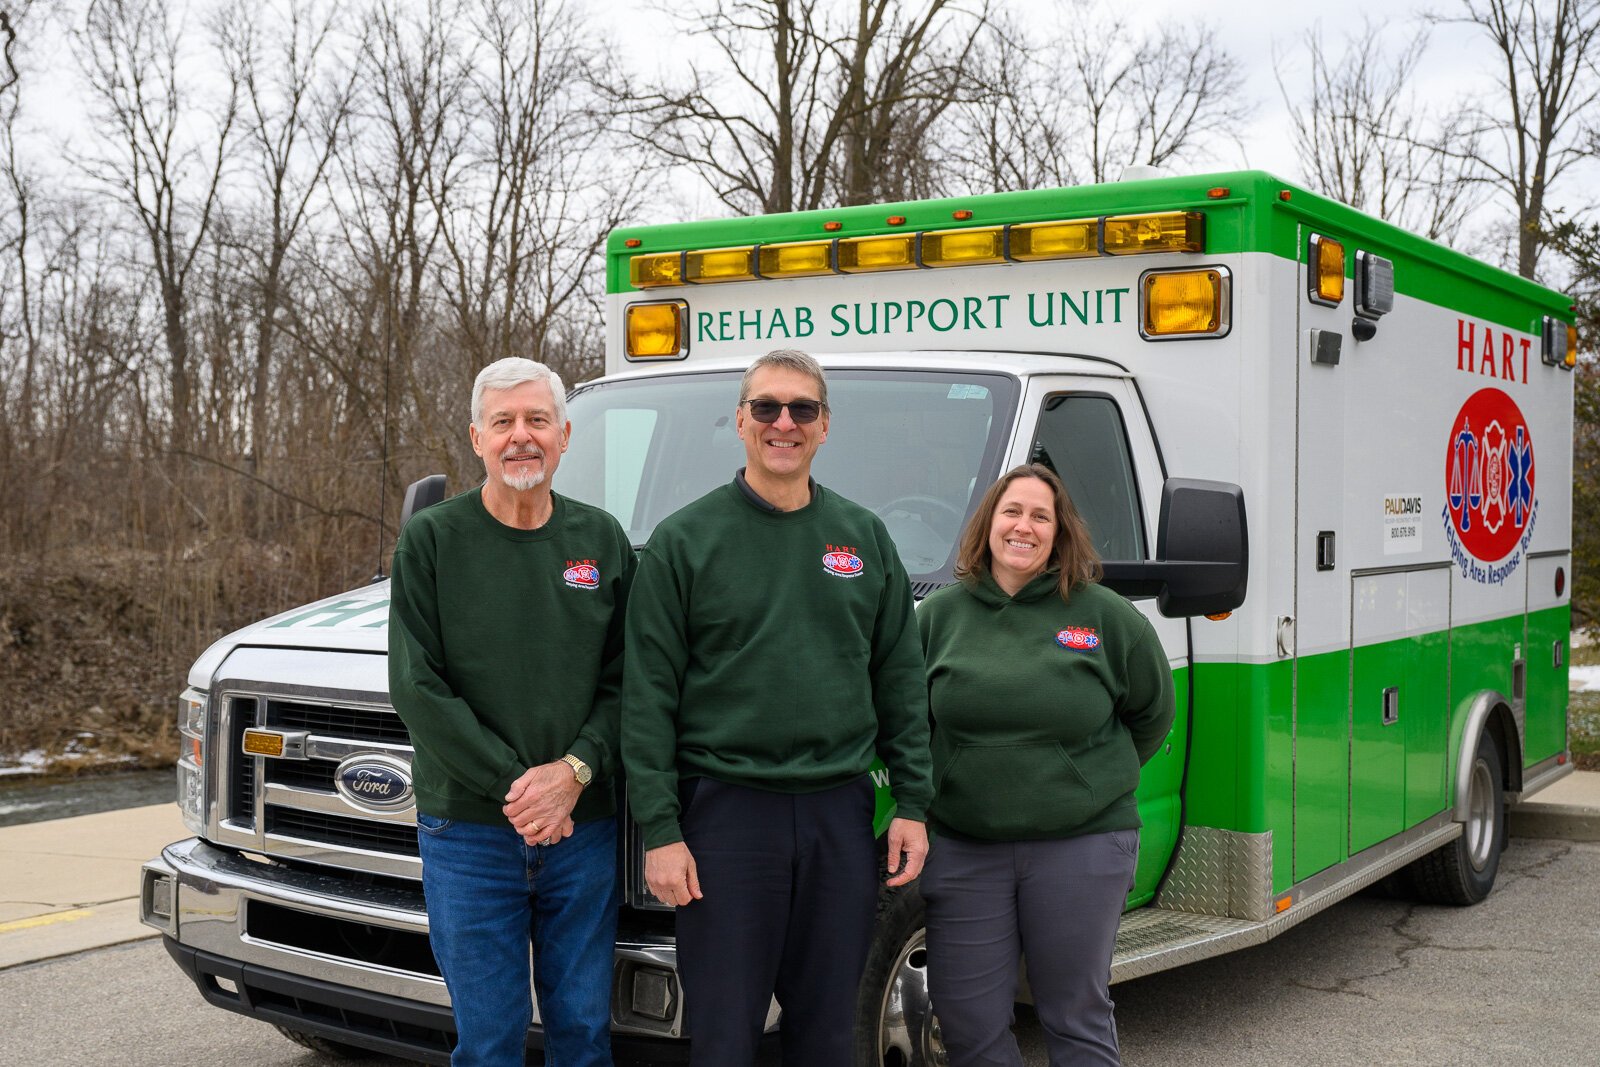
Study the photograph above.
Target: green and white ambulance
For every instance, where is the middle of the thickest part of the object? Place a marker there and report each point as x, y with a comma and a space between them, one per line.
1332, 462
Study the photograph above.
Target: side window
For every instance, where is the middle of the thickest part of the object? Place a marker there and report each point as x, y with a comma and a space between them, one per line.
1081, 438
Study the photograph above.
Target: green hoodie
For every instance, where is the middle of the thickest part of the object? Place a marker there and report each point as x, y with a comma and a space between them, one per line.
1043, 710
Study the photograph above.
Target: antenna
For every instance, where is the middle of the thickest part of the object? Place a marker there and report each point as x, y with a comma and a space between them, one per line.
383, 463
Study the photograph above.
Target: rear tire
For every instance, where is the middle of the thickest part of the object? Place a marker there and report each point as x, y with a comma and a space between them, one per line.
895, 1026
1463, 871
326, 1046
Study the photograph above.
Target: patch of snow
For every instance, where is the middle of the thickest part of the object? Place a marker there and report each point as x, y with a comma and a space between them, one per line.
31, 762
1583, 679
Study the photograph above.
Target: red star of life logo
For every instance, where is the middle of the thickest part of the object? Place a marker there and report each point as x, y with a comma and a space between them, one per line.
1493, 508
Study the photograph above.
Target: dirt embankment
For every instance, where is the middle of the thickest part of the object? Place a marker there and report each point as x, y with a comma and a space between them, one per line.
88, 676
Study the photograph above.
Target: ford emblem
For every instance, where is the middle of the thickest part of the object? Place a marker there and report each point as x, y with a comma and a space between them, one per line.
374, 783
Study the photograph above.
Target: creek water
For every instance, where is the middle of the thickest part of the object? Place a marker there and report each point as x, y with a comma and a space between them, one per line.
36, 799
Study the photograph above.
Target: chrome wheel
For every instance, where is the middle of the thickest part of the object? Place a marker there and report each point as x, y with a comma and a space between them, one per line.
908, 1034
1481, 823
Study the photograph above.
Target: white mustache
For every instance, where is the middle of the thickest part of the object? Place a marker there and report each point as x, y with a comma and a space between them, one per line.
511, 455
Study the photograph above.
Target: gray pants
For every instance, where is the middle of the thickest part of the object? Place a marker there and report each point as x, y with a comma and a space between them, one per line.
1058, 902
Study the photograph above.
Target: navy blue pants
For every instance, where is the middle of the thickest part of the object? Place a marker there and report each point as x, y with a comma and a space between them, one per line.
790, 885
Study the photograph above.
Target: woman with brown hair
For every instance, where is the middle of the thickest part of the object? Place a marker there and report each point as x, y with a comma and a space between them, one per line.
1047, 692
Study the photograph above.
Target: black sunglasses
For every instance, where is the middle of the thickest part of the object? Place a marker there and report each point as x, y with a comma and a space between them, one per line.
801, 411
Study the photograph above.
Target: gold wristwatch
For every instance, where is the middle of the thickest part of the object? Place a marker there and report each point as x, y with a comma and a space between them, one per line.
580, 769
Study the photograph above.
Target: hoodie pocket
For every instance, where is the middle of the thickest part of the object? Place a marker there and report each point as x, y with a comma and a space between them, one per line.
1013, 792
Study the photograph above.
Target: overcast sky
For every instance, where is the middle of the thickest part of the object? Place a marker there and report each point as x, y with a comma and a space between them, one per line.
1251, 29
1458, 62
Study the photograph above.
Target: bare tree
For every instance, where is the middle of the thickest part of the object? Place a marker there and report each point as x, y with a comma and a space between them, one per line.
1548, 90
161, 154
525, 220
19, 304
9, 33
404, 149
904, 71
296, 105
819, 105
1363, 139
1083, 103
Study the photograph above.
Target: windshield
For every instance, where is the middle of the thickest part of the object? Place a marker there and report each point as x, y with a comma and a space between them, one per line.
914, 447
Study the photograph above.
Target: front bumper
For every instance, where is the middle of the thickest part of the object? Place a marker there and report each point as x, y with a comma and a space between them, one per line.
348, 959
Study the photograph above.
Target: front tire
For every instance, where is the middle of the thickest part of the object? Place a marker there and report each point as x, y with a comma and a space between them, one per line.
334, 1050
1463, 871
895, 1026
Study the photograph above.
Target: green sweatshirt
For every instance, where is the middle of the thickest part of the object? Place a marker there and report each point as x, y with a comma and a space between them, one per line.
1043, 711
505, 651
770, 649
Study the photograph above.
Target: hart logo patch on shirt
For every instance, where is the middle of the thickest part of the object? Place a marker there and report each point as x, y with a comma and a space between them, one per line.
841, 562
1078, 639
582, 574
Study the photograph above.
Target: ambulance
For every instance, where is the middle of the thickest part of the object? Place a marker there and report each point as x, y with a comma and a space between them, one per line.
1330, 460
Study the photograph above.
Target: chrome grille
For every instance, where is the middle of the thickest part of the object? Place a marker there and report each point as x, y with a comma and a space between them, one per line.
343, 832
288, 806
303, 774
356, 724
242, 717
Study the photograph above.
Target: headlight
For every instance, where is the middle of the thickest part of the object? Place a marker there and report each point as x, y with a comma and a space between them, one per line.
192, 707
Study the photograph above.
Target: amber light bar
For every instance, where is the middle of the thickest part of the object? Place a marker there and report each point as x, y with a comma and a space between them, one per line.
1027, 242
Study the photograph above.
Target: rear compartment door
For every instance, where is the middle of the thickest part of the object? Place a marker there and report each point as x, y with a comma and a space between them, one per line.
1322, 549
1093, 432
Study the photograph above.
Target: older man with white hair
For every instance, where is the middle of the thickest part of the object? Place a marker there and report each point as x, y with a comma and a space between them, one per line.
505, 659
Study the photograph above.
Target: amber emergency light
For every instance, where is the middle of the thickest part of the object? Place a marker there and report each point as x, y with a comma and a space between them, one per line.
1325, 270
657, 331
660, 268
1182, 303
1167, 231
861, 255
720, 265
960, 248
1072, 239
796, 259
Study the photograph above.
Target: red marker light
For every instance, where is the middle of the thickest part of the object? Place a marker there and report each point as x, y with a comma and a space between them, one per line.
1219, 192
632, 242
832, 227
962, 215
1284, 196
896, 220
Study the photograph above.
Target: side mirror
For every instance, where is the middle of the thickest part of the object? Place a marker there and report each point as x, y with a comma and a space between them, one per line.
422, 493
1202, 552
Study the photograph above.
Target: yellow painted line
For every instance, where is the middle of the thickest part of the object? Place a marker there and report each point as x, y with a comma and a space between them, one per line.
45, 920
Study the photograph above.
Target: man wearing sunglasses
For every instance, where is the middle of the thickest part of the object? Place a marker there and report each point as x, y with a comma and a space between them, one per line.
771, 653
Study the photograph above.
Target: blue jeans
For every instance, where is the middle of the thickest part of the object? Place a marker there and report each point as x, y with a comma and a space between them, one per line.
488, 893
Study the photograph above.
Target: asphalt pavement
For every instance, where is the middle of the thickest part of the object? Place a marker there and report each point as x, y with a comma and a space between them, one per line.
1372, 980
